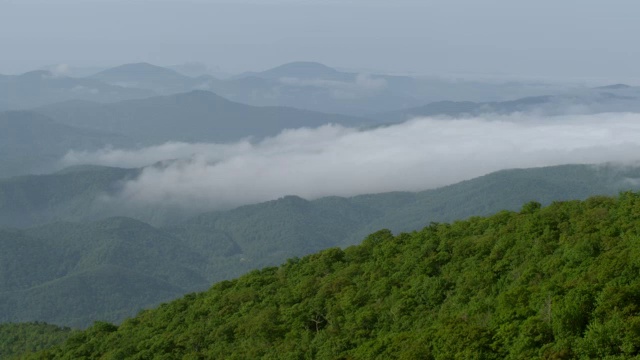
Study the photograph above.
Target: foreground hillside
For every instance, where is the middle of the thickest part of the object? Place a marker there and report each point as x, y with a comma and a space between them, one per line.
555, 282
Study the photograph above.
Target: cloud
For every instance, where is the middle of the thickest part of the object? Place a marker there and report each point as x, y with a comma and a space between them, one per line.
334, 160
362, 86
61, 70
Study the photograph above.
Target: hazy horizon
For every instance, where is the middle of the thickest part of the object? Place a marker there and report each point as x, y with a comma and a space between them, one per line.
493, 38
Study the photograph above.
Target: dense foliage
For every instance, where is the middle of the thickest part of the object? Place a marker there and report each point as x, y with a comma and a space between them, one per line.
16, 339
556, 282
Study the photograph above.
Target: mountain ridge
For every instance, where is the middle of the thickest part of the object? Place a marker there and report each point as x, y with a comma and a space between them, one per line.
34, 143
195, 116
543, 282
592, 101
42, 87
213, 246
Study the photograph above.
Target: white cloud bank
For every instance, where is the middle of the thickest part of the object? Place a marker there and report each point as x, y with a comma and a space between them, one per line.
334, 160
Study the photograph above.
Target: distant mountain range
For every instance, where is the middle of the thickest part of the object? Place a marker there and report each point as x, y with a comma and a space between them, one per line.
317, 87
42, 87
196, 116
57, 272
304, 85
151, 77
203, 116
301, 70
33, 143
614, 98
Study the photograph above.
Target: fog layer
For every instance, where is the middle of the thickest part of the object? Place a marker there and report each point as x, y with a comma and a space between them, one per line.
333, 160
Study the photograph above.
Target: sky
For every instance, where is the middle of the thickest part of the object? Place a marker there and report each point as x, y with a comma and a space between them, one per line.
330, 160
550, 38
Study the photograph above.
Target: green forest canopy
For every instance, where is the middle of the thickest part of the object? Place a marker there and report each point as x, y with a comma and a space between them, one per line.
555, 282
16, 339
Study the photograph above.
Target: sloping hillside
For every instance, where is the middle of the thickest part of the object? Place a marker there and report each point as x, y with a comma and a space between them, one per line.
33, 143
556, 282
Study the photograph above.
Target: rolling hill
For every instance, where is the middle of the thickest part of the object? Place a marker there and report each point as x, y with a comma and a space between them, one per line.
555, 282
301, 70
78, 194
196, 116
129, 264
317, 87
68, 195
159, 79
586, 101
41, 87
107, 269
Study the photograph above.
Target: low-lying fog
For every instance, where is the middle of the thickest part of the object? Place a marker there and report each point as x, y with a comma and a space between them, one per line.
333, 160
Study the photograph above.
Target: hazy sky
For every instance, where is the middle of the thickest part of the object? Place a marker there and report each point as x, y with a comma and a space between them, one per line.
568, 38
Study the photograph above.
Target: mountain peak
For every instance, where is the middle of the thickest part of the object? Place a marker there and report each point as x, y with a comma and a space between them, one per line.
614, 87
301, 69
198, 93
38, 74
137, 70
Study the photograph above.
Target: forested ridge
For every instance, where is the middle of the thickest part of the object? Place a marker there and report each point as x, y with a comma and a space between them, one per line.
18, 338
554, 282
72, 274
